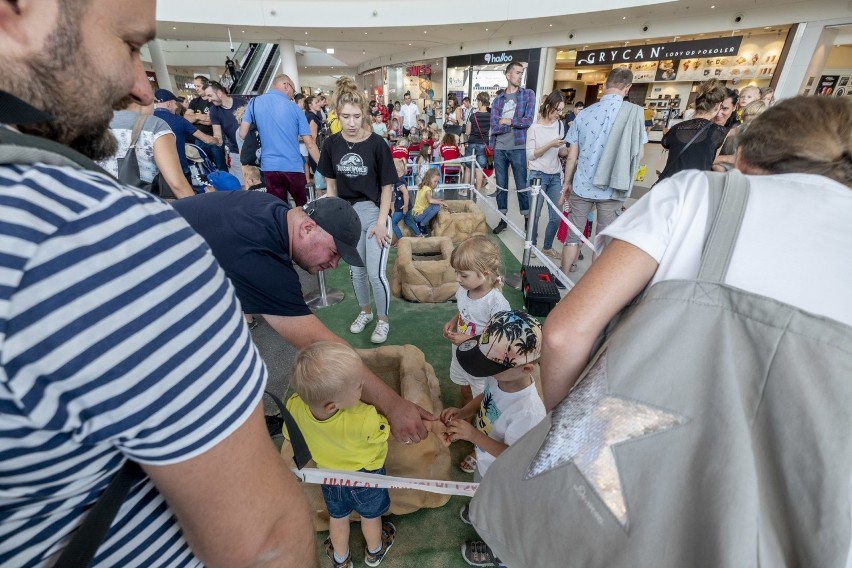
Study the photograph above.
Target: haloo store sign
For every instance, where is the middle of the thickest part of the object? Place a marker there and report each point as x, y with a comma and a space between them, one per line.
660, 51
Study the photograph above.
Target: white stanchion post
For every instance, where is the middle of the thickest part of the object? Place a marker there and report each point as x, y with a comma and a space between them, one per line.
322, 298
514, 280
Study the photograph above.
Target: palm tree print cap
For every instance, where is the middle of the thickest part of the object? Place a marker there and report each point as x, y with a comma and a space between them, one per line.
509, 340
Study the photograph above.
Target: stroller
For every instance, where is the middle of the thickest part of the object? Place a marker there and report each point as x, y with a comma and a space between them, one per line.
200, 166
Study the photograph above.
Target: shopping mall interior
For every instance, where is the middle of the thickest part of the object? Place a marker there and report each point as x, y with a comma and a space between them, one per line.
438, 50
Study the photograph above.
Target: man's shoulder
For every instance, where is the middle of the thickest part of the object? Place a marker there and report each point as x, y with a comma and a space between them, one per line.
73, 194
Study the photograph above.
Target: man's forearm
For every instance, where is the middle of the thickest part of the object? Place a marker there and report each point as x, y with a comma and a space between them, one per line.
570, 166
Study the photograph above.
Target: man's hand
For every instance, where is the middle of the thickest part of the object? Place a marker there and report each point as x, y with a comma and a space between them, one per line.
567, 186
406, 421
505, 121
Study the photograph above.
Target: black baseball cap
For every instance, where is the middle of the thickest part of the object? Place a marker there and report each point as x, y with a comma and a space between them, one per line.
337, 217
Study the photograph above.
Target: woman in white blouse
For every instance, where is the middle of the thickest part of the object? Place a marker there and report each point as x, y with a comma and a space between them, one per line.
545, 144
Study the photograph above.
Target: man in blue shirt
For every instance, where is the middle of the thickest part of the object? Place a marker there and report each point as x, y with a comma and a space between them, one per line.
588, 136
512, 113
165, 107
281, 124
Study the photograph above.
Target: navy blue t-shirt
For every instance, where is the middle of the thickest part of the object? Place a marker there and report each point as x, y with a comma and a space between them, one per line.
182, 129
247, 232
398, 199
224, 117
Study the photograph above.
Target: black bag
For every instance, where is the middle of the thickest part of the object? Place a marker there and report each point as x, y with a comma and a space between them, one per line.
128, 167
250, 152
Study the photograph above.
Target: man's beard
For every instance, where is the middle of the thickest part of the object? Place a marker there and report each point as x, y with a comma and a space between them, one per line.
63, 82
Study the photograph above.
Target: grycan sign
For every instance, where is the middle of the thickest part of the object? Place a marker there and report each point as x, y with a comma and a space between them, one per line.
660, 51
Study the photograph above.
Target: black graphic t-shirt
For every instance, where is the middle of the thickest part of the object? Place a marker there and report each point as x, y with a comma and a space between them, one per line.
360, 171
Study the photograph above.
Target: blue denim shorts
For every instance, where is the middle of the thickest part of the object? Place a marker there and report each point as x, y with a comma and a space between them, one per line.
477, 150
369, 502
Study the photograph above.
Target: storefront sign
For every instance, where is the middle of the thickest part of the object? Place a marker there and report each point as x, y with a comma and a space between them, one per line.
660, 51
418, 70
523, 56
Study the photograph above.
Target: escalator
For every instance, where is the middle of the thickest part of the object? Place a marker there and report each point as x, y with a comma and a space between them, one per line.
260, 65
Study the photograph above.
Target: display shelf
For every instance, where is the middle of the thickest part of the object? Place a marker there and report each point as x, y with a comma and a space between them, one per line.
665, 110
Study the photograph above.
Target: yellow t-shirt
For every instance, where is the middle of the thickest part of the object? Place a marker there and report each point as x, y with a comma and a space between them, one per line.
333, 122
354, 438
649, 114
421, 202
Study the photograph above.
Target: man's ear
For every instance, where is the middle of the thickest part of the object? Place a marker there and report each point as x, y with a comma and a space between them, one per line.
330, 406
308, 226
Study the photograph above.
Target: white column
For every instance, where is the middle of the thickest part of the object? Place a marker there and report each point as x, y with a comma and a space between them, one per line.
287, 49
214, 73
160, 68
545, 73
808, 52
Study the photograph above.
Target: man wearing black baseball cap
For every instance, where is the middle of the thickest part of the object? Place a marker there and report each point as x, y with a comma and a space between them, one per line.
165, 108
256, 237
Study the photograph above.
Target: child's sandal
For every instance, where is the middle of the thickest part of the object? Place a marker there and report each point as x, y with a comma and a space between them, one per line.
468, 464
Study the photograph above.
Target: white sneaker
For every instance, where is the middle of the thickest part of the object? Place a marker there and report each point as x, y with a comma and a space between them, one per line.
380, 334
361, 322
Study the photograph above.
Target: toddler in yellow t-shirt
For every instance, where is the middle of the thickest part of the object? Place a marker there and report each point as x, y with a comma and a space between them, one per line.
343, 433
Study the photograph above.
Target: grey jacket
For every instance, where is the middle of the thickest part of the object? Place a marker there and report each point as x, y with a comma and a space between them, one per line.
620, 158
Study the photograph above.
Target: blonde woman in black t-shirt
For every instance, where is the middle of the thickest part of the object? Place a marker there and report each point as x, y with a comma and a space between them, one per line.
358, 167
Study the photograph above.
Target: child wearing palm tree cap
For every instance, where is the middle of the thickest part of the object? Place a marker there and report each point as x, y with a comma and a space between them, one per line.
506, 353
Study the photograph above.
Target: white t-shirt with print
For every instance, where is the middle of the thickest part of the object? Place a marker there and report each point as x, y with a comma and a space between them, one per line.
121, 127
473, 317
505, 417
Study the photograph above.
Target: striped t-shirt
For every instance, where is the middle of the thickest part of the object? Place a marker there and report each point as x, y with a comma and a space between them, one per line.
120, 337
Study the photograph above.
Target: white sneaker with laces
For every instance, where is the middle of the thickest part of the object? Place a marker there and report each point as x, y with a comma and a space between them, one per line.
361, 322
380, 334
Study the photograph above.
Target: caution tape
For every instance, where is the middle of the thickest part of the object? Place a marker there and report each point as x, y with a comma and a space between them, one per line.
360, 479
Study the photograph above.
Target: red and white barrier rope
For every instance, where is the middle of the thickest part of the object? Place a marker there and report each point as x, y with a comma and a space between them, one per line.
360, 479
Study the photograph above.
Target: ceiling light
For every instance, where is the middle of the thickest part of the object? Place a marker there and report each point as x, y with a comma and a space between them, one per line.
623, 17
306, 33
409, 44
365, 33
244, 31
424, 31
486, 29
550, 25
330, 51
174, 28
711, 7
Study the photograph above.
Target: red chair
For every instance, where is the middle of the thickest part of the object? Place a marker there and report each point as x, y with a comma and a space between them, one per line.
449, 170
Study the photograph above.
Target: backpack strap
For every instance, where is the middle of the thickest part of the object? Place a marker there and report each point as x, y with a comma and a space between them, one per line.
301, 453
728, 198
26, 149
137, 130
90, 534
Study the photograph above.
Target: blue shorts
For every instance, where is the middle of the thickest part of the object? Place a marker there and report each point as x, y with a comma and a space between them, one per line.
477, 150
369, 502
